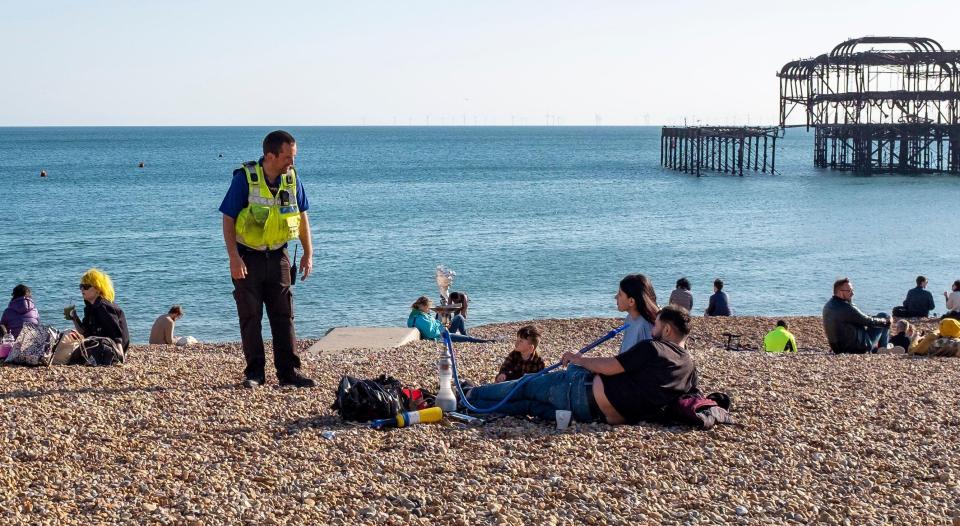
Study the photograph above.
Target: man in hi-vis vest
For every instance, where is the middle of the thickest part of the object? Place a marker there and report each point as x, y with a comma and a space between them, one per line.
265, 208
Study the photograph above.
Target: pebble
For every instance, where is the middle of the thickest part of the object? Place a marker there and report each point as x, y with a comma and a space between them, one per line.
169, 436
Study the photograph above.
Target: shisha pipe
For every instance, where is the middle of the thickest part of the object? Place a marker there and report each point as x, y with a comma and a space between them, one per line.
456, 377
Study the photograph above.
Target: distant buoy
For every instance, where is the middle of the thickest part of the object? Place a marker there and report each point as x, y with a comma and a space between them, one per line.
43, 173
221, 155
141, 164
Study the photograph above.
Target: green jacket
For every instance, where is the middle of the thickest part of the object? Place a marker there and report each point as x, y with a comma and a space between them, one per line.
779, 340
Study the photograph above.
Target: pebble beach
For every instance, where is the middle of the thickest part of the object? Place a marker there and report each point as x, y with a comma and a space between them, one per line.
170, 438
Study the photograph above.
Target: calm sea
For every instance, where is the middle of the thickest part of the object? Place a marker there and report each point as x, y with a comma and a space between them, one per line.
537, 222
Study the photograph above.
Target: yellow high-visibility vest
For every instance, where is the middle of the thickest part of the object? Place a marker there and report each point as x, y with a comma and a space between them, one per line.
269, 220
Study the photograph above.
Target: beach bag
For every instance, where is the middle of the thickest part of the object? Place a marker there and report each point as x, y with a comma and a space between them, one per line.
99, 351
365, 400
33, 345
66, 348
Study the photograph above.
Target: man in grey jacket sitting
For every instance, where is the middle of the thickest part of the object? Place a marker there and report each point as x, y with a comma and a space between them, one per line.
848, 329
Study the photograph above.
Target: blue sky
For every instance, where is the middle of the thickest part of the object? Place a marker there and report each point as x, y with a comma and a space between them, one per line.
436, 62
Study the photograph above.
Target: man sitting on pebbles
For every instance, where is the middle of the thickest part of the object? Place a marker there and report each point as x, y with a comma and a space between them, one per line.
624, 389
848, 329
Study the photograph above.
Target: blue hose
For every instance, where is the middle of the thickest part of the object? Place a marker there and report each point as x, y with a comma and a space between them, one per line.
526, 378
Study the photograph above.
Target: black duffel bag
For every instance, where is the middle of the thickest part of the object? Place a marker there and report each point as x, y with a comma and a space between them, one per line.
365, 400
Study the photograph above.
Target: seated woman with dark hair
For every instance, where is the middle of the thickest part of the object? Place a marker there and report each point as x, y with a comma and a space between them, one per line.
20, 310
430, 327
101, 316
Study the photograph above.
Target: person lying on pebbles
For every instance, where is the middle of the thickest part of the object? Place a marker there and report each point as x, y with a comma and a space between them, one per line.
625, 389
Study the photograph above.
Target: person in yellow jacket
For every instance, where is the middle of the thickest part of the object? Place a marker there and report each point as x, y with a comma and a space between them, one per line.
265, 208
780, 339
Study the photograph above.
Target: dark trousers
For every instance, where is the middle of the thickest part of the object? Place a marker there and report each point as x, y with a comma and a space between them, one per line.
267, 284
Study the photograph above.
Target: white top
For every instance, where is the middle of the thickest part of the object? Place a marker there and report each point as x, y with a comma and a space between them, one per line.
953, 301
638, 329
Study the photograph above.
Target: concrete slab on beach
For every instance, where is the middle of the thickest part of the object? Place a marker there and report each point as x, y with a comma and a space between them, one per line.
363, 338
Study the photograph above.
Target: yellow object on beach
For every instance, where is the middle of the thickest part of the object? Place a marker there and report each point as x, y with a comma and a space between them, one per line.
423, 416
950, 328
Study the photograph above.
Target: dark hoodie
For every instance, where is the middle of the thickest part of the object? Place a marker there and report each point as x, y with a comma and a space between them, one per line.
21, 310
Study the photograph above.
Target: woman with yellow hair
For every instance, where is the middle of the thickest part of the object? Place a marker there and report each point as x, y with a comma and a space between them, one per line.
101, 316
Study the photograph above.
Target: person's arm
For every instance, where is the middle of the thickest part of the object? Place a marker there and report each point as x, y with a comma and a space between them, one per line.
606, 366
930, 304
168, 333
77, 324
306, 241
504, 369
852, 315
238, 270
711, 306
793, 343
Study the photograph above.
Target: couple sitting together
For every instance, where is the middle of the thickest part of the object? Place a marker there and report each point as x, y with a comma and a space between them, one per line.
642, 383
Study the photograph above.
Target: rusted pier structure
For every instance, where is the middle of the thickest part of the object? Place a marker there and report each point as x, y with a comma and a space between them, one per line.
881, 109
694, 149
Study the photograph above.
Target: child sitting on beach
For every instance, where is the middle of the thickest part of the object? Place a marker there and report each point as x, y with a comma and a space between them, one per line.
429, 326
524, 358
905, 335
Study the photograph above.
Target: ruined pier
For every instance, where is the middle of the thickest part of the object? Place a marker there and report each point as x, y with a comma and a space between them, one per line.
724, 149
878, 104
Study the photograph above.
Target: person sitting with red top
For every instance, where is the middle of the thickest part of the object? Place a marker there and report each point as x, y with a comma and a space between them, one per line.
524, 358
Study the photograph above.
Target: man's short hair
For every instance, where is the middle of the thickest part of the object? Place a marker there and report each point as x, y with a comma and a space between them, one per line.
839, 283
782, 323
683, 283
676, 316
274, 141
530, 333
176, 309
921, 280
718, 283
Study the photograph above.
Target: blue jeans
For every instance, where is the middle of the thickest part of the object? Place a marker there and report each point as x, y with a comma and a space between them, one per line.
540, 397
468, 339
878, 335
458, 324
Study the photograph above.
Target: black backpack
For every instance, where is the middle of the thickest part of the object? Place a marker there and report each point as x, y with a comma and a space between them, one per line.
365, 400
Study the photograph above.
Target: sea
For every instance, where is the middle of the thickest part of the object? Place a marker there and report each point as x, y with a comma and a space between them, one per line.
537, 222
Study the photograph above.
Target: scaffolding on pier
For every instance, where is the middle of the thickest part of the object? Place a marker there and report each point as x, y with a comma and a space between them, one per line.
878, 110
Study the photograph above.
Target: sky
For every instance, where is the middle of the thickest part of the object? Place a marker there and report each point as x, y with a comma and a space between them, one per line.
178, 63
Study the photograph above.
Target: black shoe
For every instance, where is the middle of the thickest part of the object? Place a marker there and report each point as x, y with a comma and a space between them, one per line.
297, 380
252, 383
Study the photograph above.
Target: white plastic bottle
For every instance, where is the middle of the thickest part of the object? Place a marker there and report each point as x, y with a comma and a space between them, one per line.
445, 397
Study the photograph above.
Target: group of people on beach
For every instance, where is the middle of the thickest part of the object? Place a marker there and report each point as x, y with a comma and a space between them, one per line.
102, 317
653, 369
266, 207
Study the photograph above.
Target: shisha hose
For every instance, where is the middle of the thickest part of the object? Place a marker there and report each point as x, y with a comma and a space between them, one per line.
526, 378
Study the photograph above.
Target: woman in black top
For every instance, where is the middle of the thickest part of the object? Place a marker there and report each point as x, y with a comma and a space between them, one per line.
101, 316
